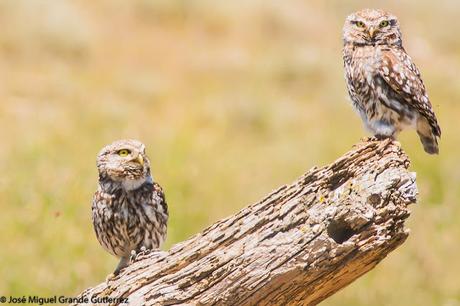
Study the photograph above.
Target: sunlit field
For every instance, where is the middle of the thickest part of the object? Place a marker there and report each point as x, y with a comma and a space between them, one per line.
232, 99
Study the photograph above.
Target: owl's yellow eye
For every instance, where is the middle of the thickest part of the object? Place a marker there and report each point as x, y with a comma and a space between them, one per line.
360, 24
123, 152
384, 23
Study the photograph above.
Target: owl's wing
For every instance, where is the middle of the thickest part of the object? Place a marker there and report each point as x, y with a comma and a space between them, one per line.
402, 76
158, 197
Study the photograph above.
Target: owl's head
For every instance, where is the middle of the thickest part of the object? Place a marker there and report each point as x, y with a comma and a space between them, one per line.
125, 162
371, 27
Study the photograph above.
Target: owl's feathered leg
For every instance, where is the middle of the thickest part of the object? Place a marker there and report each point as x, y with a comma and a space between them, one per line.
121, 265
428, 139
382, 129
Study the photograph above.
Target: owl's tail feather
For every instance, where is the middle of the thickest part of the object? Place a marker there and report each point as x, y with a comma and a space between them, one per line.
427, 137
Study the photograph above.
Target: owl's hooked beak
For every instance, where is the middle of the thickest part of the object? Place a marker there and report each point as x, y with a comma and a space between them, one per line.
140, 159
372, 31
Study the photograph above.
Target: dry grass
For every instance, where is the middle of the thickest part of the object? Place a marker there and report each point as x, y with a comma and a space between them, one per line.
232, 99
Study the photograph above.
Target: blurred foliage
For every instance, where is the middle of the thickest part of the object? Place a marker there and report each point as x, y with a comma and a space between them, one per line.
232, 99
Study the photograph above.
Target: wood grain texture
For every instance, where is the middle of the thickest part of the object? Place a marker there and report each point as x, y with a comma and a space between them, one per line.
300, 244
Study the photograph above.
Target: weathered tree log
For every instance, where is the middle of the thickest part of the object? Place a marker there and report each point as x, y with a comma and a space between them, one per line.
300, 244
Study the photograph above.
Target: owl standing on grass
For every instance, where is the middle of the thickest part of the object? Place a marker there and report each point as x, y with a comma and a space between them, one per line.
384, 84
129, 209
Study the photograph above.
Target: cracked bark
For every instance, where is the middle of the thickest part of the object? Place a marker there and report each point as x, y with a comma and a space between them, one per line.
297, 246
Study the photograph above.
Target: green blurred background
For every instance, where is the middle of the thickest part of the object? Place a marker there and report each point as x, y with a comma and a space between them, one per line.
232, 99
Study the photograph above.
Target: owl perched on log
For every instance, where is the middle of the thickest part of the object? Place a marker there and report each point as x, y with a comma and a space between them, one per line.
129, 209
384, 84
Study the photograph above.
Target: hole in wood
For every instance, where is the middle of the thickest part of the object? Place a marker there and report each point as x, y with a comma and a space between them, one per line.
340, 231
374, 199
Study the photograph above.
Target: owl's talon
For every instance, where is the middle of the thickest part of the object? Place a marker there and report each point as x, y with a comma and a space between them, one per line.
133, 256
110, 277
382, 137
143, 251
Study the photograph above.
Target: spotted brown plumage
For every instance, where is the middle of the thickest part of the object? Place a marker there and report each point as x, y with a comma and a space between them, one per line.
384, 84
129, 210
